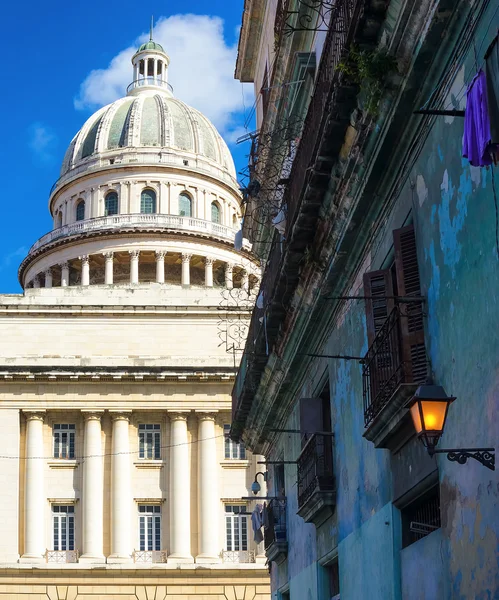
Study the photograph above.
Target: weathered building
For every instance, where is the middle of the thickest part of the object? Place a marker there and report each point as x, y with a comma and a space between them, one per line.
380, 244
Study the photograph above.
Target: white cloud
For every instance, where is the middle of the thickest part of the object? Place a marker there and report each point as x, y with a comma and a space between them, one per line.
201, 71
43, 142
7, 259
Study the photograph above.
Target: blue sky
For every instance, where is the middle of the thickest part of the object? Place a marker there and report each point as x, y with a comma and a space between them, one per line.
63, 60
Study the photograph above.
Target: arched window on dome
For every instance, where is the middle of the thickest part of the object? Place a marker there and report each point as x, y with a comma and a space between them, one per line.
215, 212
148, 202
184, 205
80, 210
111, 204
59, 219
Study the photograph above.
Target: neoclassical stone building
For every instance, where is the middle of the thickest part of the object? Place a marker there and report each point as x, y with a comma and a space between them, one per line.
117, 479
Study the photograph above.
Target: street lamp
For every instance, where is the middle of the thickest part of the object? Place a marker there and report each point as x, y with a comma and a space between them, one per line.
429, 407
255, 486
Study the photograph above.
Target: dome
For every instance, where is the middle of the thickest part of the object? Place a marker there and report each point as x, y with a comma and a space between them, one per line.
150, 45
150, 120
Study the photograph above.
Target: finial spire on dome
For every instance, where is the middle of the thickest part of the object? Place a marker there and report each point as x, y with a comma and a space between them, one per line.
152, 27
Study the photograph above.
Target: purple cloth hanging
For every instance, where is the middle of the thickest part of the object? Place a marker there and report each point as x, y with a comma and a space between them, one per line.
476, 138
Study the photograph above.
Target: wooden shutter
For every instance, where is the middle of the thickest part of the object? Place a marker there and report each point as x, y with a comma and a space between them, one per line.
411, 320
377, 286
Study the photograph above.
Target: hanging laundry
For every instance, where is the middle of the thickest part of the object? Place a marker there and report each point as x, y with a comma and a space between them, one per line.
256, 523
492, 79
476, 138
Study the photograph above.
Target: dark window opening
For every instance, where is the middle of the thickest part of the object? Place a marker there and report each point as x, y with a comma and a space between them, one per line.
279, 483
265, 91
421, 517
333, 580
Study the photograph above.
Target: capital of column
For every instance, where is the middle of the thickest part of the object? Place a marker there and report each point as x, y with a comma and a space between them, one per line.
64, 265
134, 253
84, 259
229, 266
186, 258
34, 415
92, 415
160, 254
178, 416
120, 415
207, 416
208, 261
48, 272
108, 255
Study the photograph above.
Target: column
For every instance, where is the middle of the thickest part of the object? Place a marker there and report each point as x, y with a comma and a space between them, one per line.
121, 491
208, 271
108, 269
134, 266
160, 266
180, 509
48, 278
34, 500
208, 490
93, 490
229, 276
36, 281
186, 273
245, 280
85, 269
64, 274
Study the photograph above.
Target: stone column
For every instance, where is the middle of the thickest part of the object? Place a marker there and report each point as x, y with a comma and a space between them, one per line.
85, 269
208, 271
160, 266
208, 490
245, 280
134, 266
64, 274
36, 281
186, 272
180, 509
229, 276
108, 271
48, 278
93, 490
121, 491
34, 500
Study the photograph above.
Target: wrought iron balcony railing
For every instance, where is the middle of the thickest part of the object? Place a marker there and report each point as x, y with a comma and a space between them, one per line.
61, 556
276, 532
149, 556
315, 467
238, 556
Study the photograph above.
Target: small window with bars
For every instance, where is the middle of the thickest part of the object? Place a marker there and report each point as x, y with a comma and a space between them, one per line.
63, 527
233, 450
421, 517
149, 527
150, 441
64, 440
236, 528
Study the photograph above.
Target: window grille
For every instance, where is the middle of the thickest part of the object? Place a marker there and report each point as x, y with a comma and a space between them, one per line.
150, 441
80, 211
149, 527
63, 527
64, 440
421, 517
236, 528
111, 207
184, 205
148, 202
215, 212
232, 449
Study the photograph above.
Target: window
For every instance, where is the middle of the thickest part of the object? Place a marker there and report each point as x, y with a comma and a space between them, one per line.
80, 210
232, 449
64, 440
421, 517
184, 205
150, 441
63, 527
333, 580
265, 91
215, 212
148, 202
236, 528
149, 527
111, 204
59, 219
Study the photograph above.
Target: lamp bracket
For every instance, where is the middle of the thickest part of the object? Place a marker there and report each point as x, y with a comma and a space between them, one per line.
485, 456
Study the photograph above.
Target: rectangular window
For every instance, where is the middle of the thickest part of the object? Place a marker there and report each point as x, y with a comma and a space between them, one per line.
333, 580
149, 527
150, 441
63, 527
64, 440
421, 517
233, 450
236, 528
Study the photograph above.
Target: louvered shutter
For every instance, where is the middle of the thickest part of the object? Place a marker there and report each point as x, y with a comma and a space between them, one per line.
411, 321
377, 286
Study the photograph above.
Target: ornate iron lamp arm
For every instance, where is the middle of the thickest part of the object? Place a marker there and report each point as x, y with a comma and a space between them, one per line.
485, 456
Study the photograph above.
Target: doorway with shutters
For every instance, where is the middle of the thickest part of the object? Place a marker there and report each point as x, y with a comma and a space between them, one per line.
395, 327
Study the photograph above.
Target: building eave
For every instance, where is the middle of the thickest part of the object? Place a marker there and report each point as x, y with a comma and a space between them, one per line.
249, 40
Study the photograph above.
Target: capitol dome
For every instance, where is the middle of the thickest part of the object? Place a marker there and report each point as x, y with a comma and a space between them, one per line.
147, 193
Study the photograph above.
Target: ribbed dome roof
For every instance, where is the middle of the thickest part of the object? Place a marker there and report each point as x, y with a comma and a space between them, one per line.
148, 120
150, 45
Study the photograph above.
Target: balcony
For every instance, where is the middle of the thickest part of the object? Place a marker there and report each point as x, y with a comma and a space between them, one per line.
238, 556
275, 535
149, 556
389, 381
316, 487
145, 82
137, 221
61, 556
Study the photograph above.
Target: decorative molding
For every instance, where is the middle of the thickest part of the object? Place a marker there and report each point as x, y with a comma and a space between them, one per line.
63, 463
34, 415
84, 259
108, 255
208, 261
186, 258
148, 464
134, 254
160, 254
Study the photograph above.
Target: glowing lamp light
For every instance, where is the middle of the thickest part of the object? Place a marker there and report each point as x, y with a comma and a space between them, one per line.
429, 408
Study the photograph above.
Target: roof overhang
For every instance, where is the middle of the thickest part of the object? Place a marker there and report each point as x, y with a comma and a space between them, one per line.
249, 40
